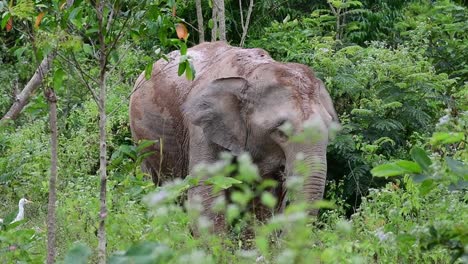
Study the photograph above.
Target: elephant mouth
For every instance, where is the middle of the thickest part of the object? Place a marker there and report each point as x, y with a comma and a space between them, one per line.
279, 176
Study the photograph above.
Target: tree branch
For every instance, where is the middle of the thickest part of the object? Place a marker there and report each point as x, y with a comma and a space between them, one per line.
82, 74
245, 27
22, 99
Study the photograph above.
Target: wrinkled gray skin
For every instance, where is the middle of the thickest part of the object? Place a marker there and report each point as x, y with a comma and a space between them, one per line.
236, 103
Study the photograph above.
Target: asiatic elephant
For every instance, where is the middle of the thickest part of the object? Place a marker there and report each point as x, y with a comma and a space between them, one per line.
237, 103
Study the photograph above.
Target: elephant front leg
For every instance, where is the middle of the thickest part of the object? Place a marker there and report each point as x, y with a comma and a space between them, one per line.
203, 195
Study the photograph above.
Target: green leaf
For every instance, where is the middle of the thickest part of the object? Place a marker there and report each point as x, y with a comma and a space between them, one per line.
87, 49
457, 167
426, 186
248, 171
78, 254
440, 138
241, 198
419, 155
268, 199
183, 48
144, 253
129, 151
183, 58
409, 166
192, 71
399, 167
232, 212
210, 23
181, 70
222, 182
114, 56
323, 204
59, 75
144, 144
262, 244
148, 70
387, 170
5, 18
188, 71
267, 183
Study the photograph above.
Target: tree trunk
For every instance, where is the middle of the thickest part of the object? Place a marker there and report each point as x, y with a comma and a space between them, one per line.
51, 219
221, 20
245, 27
102, 135
214, 17
22, 99
201, 30
103, 170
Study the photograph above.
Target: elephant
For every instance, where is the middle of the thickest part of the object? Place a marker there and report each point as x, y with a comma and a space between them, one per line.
237, 102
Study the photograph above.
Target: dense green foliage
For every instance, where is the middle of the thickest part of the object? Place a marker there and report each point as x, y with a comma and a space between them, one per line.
396, 191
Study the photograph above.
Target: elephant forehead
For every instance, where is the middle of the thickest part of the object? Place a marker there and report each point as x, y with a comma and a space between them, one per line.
272, 108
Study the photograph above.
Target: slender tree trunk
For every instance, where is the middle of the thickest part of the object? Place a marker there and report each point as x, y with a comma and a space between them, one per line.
201, 30
103, 170
51, 219
221, 20
22, 99
102, 136
214, 17
245, 27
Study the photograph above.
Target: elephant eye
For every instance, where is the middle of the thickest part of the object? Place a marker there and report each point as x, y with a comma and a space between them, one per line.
281, 135
278, 131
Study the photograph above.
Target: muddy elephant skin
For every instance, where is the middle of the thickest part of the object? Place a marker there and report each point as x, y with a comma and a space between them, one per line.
237, 103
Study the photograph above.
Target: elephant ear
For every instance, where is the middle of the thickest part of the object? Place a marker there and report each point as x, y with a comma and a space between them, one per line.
217, 109
327, 104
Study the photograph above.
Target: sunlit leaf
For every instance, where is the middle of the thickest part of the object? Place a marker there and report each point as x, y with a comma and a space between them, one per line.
446, 138
223, 182
323, 204
5, 18
387, 170
183, 48
241, 198
148, 71
409, 166
232, 212
268, 199
210, 23
144, 144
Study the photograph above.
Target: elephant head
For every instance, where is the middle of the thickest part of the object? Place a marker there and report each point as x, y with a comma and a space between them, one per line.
239, 114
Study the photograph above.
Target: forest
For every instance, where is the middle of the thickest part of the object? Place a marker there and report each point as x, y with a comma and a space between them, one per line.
397, 178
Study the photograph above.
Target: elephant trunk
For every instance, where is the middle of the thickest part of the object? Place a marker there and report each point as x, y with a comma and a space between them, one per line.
312, 165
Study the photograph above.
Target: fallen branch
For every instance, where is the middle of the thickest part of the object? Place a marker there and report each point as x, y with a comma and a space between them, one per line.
22, 99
